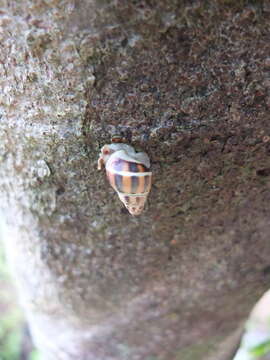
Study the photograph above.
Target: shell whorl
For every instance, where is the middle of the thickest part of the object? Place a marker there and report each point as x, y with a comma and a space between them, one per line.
134, 203
131, 180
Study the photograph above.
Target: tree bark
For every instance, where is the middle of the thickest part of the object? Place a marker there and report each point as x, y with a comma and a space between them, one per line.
188, 82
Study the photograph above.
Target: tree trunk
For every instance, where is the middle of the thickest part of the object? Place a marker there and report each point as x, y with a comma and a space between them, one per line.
188, 82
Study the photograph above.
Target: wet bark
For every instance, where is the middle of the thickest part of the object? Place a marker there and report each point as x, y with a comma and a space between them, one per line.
187, 82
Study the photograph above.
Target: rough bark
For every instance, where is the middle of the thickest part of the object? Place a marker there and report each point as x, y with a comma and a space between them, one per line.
188, 82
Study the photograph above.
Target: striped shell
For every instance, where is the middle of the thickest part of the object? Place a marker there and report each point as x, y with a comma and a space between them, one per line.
128, 173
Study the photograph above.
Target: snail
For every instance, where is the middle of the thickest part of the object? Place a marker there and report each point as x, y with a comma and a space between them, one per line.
128, 173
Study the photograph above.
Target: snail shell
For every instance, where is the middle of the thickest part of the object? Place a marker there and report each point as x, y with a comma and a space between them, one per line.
128, 173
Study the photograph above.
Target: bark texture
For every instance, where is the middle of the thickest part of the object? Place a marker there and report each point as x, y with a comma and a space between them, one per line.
186, 81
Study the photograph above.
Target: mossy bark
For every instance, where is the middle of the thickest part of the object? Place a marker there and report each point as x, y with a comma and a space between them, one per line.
188, 82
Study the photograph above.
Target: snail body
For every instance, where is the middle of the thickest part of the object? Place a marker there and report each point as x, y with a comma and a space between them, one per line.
128, 173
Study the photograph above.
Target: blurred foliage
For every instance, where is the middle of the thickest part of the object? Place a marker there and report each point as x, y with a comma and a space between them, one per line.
261, 349
10, 316
255, 343
11, 319
35, 355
